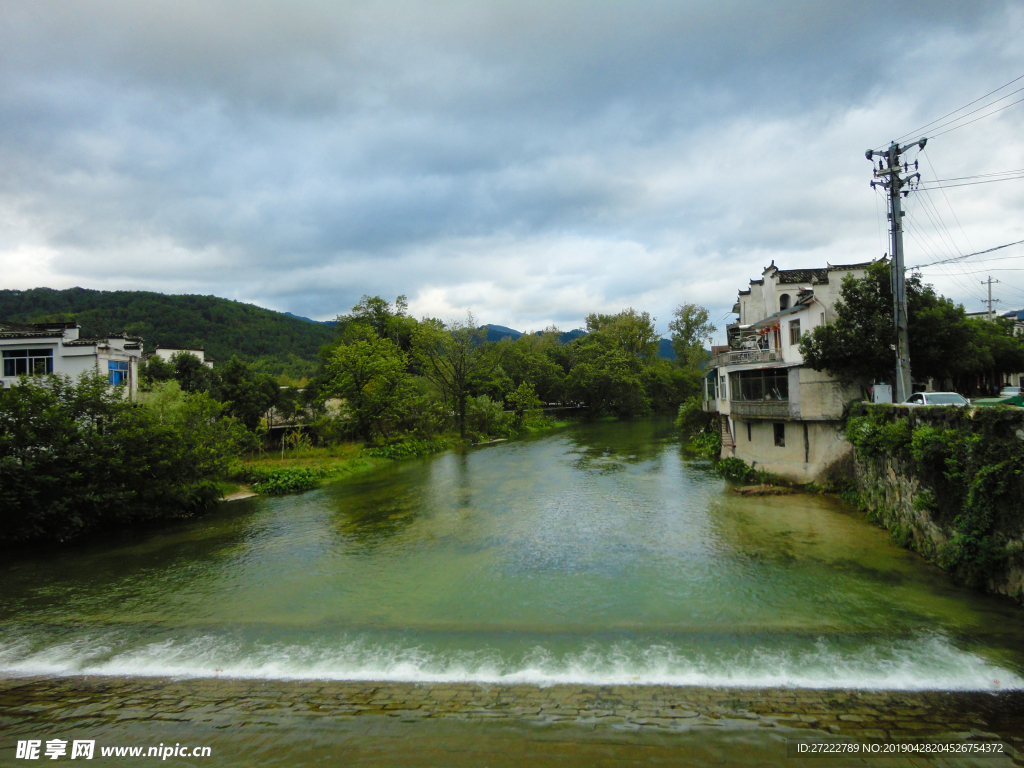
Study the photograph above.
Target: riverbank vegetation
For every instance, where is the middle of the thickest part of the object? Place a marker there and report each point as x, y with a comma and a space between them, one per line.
79, 456
966, 468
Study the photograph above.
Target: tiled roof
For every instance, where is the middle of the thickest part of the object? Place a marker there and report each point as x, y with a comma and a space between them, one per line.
862, 265
790, 276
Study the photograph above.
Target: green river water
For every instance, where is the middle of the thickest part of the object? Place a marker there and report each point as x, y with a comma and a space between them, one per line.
601, 553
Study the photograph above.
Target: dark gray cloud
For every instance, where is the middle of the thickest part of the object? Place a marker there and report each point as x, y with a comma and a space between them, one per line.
530, 161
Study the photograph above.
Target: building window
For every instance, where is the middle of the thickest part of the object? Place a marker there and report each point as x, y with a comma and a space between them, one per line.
783, 302
761, 384
712, 387
748, 432
721, 388
28, 362
794, 332
117, 372
822, 318
780, 435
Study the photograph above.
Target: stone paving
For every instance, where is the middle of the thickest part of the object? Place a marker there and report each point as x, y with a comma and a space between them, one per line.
862, 715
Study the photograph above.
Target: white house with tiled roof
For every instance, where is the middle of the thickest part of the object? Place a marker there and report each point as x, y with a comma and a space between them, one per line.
35, 349
775, 413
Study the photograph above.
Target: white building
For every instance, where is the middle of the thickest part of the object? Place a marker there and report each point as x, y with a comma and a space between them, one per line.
166, 353
35, 349
775, 413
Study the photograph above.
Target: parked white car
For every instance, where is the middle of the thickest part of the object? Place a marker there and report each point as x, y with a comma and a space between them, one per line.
1009, 391
937, 398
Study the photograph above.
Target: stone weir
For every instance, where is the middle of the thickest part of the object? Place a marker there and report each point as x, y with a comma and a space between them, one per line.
32, 704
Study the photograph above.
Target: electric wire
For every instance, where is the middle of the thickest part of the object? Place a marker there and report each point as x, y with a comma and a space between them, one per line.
957, 127
965, 106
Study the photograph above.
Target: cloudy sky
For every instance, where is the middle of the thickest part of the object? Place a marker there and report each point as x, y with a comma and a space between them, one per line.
529, 161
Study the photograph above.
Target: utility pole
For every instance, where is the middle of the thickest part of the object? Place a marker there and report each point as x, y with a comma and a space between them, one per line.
888, 171
989, 282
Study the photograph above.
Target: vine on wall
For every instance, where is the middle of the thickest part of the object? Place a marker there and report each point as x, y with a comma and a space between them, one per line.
970, 467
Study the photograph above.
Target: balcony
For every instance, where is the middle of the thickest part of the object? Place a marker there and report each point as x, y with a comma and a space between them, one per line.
746, 356
760, 409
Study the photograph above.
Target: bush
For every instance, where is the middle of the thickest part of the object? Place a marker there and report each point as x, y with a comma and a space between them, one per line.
735, 470
487, 416
278, 482
77, 457
691, 418
709, 443
407, 448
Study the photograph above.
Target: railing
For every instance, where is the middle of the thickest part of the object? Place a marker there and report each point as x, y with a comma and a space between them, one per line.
760, 409
742, 356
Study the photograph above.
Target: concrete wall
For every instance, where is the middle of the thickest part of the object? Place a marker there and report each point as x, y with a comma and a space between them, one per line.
811, 447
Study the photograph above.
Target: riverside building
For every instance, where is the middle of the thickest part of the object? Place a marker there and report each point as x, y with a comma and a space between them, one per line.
774, 412
37, 349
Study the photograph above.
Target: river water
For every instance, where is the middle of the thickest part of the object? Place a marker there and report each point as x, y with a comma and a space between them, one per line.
602, 553
598, 554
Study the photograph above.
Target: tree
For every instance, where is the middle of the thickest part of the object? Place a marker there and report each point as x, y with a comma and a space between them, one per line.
246, 395
191, 373
388, 321
523, 400
944, 344
606, 377
370, 374
452, 356
154, 369
691, 330
630, 331
77, 456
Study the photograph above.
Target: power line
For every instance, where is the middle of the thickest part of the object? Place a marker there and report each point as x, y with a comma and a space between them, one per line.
968, 183
969, 255
994, 111
965, 106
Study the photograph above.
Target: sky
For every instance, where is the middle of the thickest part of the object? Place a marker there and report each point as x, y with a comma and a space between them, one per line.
530, 162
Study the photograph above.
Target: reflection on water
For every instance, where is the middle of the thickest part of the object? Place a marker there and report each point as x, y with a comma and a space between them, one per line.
600, 553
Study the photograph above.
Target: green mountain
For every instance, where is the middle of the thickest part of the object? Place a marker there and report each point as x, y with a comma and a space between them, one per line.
274, 342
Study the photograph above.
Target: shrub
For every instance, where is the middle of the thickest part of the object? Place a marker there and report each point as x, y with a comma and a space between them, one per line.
735, 469
77, 457
407, 448
278, 482
709, 443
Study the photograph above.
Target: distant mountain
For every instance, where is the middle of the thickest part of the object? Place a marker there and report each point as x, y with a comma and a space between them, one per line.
499, 332
274, 341
328, 323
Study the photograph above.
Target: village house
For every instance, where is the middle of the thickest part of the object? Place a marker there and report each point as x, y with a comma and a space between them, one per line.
775, 413
166, 353
34, 349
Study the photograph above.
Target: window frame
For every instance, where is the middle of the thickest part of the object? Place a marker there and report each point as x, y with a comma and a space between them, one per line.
32, 361
118, 372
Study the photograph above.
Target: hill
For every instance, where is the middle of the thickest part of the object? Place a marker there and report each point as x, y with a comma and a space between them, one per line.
272, 341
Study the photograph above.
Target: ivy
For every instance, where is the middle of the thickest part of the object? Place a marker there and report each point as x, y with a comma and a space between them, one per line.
970, 468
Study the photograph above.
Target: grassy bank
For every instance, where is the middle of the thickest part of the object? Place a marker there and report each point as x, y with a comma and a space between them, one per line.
304, 468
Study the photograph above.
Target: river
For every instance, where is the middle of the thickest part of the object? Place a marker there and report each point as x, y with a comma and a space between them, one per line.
601, 554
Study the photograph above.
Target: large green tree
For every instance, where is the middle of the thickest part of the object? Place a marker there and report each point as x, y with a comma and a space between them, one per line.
455, 358
944, 343
246, 394
369, 372
691, 329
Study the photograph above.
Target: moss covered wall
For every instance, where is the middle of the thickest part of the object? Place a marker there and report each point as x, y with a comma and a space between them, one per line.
948, 483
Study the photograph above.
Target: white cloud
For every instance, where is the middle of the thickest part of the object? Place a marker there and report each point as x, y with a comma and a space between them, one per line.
530, 162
